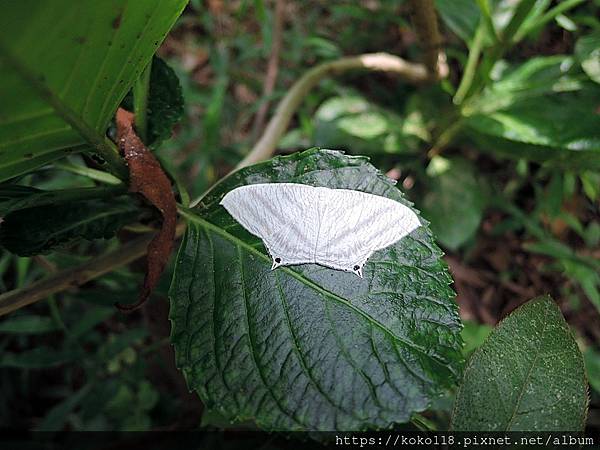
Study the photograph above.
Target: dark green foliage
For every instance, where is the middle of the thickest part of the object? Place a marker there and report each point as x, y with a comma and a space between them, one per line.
306, 347
454, 201
41, 229
527, 376
165, 102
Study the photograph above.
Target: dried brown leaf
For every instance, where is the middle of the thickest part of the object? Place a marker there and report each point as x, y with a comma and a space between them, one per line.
147, 178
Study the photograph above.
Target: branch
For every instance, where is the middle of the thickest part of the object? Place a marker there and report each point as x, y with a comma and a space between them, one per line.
77, 276
426, 27
382, 62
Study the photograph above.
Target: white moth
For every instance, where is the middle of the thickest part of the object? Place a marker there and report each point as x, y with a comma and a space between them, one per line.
336, 228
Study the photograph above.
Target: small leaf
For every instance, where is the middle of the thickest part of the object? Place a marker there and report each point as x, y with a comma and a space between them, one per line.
42, 229
306, 347
351, 122
165, 102
148, 178
527, 376
454, 201
587, 51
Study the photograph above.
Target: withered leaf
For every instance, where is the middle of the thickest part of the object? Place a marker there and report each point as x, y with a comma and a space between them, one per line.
147, 178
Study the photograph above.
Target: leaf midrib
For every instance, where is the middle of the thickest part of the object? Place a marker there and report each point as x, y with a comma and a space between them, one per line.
190, 215
85, 130
529, 372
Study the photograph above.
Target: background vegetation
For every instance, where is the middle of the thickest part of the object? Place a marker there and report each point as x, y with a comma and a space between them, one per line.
498, 146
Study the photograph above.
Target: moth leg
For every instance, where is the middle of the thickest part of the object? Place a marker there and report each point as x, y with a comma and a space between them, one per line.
276, 263
357, 269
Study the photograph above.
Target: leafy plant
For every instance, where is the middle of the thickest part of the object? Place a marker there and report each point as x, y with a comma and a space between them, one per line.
302, 339
493, 138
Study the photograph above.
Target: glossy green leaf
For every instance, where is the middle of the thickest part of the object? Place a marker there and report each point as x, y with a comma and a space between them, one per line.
454, 201
306, 347
528, 376
64, 69
544, 110
587, 51
41, 229
354, 124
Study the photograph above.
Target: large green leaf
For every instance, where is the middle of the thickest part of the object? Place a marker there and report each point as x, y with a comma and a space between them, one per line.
65, 67
454, 201
528, 376
544, 110
306, 347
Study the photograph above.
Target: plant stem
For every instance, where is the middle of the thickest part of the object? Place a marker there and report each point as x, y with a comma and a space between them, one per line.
426, 27
98, 175
141, 89
445, 138
471, 66
562, 7
73, 277
382, 62
422, 423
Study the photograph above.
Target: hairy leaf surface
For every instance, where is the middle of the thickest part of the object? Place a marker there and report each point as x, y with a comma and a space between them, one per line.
528, 376
306, 347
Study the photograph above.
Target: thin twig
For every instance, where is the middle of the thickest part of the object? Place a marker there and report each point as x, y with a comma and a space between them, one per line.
382, 62
426, 27
272, 68
73, 277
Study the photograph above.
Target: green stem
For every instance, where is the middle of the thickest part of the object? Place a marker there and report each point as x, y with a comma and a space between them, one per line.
98, 175
141, 90
423, 423
486, 18
445, 138
521, 12
55, 314
550, 15
470, 68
